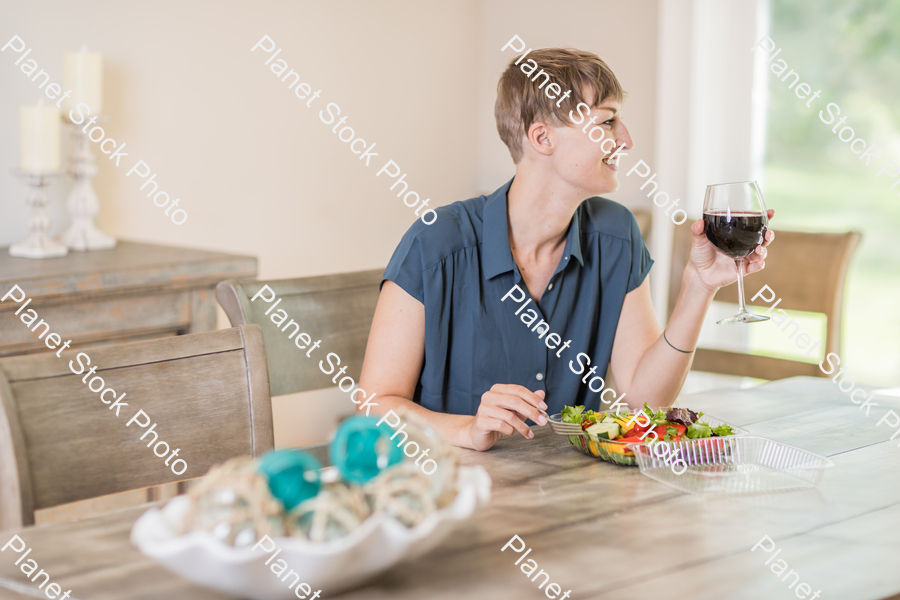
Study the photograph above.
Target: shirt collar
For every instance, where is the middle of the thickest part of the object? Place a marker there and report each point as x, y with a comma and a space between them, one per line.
573, 241
497, 254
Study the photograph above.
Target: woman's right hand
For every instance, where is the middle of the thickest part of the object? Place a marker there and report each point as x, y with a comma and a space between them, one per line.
503, 411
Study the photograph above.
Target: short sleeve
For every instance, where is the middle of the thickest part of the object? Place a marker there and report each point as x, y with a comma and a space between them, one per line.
640, 256
406, 265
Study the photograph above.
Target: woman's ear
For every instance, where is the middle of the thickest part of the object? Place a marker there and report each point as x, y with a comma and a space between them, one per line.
541, 138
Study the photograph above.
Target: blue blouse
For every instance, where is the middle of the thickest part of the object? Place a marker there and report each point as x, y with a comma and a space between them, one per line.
461, 267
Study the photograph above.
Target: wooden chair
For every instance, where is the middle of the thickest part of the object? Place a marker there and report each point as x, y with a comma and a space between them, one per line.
806, 270
645, 222
208, 394
337, 309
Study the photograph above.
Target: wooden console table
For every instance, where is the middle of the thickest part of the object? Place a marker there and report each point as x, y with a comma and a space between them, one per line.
134, 291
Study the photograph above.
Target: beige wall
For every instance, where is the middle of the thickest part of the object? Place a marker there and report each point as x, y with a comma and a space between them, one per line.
256, 170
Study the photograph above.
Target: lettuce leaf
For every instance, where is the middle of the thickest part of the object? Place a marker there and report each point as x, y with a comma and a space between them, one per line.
572, 414
656, 416
723, 430
698, 430
683, 416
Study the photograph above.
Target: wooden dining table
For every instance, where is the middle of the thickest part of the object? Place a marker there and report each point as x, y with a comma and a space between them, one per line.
599, 530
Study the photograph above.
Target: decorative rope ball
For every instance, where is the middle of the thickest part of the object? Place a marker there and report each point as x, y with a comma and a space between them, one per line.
234, 504
442, 482
403, 492
337, 510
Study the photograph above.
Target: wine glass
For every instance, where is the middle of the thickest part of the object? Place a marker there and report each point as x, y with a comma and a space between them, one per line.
736, 223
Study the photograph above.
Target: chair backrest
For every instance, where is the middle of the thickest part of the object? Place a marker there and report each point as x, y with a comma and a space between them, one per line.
806, 270
644, 220
206, 393
336, 309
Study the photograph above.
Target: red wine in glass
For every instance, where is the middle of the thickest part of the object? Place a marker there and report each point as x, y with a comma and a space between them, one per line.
736, 223
735, 234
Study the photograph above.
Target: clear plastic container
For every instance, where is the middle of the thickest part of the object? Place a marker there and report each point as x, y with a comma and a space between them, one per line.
732, 465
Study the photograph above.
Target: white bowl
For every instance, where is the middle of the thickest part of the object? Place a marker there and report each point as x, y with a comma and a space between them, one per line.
375, 546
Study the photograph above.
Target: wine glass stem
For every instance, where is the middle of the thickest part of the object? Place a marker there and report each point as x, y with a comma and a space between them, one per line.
739, 264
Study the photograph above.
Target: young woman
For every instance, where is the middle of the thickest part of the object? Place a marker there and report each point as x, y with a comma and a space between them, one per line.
446, 344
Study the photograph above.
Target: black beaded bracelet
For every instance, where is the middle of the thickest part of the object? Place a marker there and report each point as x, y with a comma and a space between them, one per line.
673, 347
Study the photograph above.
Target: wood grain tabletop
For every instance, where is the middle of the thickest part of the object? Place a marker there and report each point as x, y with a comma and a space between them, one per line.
597, 529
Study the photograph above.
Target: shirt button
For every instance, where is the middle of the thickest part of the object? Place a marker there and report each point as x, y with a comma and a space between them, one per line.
539, 376
550, 287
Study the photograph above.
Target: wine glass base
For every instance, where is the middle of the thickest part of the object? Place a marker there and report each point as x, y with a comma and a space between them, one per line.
744, 317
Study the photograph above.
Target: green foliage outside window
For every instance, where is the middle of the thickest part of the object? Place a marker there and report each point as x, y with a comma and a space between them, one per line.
849, 49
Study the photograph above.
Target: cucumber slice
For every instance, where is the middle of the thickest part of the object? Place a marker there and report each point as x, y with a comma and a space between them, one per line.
608, 419
604, 431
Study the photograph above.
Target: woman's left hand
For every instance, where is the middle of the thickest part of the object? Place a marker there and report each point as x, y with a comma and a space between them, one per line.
714, 269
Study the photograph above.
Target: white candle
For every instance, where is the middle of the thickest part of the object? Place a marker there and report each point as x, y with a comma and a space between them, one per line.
39, 138
83, 74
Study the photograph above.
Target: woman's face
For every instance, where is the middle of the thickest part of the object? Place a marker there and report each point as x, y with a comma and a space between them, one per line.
582, 162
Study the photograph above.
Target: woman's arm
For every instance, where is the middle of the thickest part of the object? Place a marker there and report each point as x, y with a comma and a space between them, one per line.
394, 356
643, 363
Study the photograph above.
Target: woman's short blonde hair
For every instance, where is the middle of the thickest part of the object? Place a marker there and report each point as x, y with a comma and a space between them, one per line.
522, 99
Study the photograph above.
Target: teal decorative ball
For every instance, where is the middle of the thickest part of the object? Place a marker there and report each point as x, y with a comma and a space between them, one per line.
293, 475
362, 449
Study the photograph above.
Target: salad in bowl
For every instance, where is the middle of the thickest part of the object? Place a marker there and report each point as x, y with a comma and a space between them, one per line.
609, 435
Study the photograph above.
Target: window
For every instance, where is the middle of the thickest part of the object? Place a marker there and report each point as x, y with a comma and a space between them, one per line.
850, 50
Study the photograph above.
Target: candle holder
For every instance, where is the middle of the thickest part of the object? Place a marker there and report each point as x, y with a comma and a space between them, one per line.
39, 244
83, 204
